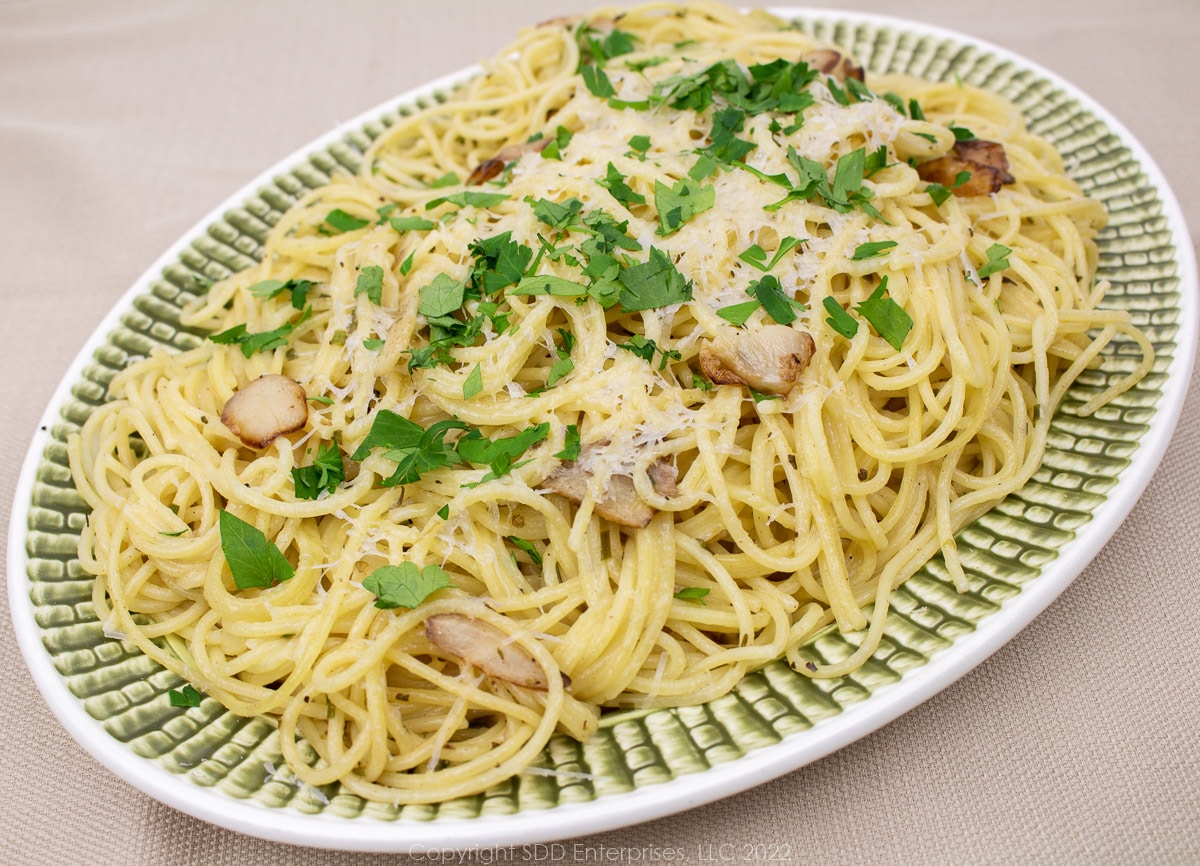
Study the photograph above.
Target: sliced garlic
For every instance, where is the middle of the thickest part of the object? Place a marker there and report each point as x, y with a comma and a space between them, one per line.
265, 409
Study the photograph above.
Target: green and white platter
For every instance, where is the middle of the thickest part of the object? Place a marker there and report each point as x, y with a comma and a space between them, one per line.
227, 769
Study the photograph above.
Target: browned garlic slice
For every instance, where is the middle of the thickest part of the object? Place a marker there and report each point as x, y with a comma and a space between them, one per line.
833, 63
664, 477
985, 161
620, 502
267, 408
486, 647
769, 359
491, 168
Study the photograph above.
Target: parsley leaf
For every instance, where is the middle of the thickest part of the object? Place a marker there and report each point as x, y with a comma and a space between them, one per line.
693, 593
499, 454
596, 46
646, 348
738, 314
474, 383
887, 317
298, 289
370, 283
757, 256
326, 473
414, 449
549, 284
652, 284
344, 222
441, 297
961, 133
405, 585
614, 182
262, 341
411, 224
997, 260
499, 262
839, 319
571, 444
526, 546
871, 250
597, 82
679, 203
253, 561
726, 147
470, 197
447, 179
558, 215
188, 696
639, 144
562, 137
770, 294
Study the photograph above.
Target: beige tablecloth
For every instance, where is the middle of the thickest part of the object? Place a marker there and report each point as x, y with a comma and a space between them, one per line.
122, 123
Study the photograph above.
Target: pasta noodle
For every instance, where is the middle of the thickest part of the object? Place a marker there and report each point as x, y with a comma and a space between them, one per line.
648, 354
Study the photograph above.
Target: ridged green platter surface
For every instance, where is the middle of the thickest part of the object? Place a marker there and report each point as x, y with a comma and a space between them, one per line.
227, 769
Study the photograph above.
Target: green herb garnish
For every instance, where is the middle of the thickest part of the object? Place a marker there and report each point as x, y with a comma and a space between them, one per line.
997, 260
188, 696
871, 249
253, 560
405, 585
325, 473
887, 317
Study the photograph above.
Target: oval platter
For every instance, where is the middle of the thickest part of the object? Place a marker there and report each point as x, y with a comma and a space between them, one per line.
227, 769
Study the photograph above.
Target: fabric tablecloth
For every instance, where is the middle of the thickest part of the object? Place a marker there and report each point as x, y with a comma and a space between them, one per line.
122, 123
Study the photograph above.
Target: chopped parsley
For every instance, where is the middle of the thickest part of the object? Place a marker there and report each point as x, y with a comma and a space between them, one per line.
598, 47
324, 474
414, 449
341, 221
469, 197
997, 260
693, 593
564, 365
887, 317
839, 319
370, 283
679, 203
939, 193
639, 144
562, 137
405, 585
738, 314
411, 224
262, 341
525, 546
778, 305
757, 256
652, 284
646, 349
961, 133
188, 696
253, 560
297, 289
871, 250
474, 383
597, 82
498, 454
615, 183
571, 444
447, 179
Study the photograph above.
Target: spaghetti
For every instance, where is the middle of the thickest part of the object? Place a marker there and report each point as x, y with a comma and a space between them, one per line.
664, 343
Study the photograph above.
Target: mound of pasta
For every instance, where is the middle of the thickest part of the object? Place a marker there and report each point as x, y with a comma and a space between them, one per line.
665, 342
